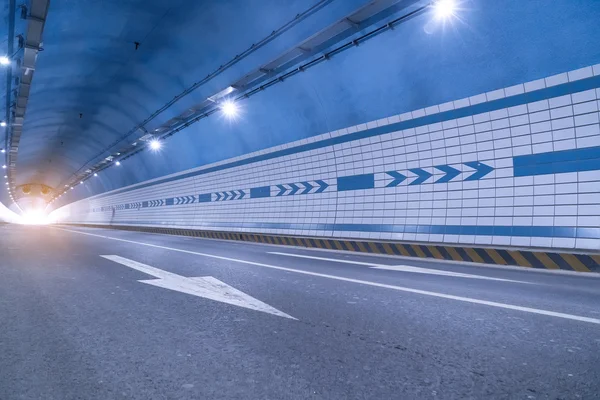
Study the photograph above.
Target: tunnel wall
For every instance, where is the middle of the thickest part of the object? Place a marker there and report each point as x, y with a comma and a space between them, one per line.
420, 63
517, 166
8, 216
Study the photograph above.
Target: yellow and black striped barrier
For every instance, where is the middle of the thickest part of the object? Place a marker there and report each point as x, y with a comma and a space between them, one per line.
581, 262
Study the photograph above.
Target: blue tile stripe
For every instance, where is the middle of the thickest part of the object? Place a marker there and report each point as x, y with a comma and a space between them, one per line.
355, 182
260, 192
555, 162
484, 230
542, 94
205, 198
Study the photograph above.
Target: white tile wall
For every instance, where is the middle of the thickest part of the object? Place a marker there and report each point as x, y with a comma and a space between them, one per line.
561, 123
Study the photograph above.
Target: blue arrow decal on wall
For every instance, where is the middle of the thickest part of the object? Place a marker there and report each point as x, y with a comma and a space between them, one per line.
308, 187
294, 189
322, 186
481, 170
398, 178
450, 173
218, 196
422, 176
242, 194
282, 190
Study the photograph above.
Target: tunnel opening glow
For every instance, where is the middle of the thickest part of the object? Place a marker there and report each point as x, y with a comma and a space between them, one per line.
35, 217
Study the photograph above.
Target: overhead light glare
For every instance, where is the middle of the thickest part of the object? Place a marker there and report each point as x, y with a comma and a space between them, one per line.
3, 124
4, 166
95, 174
155, 144
3, 151
444, 9
118, 163
229, 108
4, 60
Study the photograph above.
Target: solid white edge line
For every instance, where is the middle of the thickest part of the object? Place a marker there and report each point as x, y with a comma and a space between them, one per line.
368, 283
366, 264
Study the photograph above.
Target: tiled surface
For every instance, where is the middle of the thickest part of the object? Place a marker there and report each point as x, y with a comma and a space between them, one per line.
417, 182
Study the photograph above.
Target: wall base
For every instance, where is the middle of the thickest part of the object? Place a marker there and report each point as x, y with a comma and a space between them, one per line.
569, 261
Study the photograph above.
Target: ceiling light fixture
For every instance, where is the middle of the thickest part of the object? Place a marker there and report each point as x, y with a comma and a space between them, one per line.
155, 144
118, 163
4, 60
229, 108
444, 9
3, 124
95, 174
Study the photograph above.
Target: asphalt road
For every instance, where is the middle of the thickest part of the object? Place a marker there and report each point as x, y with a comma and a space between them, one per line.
76, 325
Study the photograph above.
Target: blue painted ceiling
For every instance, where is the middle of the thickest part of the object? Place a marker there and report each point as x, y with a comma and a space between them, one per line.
91, 85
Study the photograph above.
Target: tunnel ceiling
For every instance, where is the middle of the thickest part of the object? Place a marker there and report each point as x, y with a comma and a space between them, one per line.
108, 65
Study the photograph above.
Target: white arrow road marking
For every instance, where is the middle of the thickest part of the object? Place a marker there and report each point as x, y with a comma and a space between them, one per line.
357, 281
402, 268
205, 286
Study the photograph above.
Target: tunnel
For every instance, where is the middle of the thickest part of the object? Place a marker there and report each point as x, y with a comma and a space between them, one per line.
300, 199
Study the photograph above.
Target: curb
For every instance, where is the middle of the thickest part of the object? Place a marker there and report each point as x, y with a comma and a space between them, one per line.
579, 262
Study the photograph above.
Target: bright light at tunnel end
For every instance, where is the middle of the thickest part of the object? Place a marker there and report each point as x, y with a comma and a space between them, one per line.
444, 9
35, 217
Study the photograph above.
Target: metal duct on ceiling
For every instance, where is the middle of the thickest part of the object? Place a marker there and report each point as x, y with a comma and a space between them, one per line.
31, 46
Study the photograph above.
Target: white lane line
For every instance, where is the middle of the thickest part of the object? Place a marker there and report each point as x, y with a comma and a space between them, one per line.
401, 268
375, 284
202, 286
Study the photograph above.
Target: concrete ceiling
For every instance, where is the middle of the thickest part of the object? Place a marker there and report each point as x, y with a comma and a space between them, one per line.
93, 83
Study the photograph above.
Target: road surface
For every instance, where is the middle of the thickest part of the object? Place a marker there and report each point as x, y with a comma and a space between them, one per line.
104, 314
